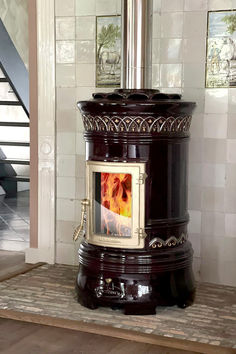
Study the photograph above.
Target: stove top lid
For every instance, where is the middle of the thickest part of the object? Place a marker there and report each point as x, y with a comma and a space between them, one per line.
143, 95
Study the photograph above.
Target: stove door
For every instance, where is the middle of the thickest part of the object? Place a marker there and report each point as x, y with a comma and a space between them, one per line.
116, 204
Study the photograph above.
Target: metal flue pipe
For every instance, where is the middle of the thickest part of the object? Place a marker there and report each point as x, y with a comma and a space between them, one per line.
137, 40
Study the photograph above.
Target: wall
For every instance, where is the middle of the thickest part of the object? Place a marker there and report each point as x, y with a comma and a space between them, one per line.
180, 28
75, 80
179, 47
14, 15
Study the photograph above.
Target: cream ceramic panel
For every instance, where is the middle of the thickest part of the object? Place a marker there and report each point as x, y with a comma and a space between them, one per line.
46, 131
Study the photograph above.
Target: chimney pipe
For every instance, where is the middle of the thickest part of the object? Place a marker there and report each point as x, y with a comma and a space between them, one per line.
137, 44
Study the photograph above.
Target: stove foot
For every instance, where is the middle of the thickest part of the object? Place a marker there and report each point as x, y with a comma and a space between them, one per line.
140, 309
87, 302
186, 302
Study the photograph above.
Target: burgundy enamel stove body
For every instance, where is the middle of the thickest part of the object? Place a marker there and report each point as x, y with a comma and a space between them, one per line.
135, 253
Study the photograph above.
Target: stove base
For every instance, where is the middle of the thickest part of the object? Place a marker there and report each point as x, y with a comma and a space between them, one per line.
168, 282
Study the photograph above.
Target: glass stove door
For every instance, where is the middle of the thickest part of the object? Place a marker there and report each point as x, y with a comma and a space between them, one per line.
116, 213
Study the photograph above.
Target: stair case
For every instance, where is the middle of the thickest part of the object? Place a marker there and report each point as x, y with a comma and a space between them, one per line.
14, 119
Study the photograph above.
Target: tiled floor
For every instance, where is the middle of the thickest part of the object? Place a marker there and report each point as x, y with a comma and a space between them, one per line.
14, 222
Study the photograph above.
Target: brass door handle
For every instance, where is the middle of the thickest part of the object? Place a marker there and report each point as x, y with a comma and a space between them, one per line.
80, 227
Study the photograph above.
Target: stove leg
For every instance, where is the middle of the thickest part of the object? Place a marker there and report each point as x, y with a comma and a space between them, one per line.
140, 309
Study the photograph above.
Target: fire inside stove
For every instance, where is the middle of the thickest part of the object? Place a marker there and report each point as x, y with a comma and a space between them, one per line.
113, 204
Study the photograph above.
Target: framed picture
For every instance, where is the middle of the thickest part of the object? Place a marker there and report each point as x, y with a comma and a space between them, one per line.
221, 49
108, 51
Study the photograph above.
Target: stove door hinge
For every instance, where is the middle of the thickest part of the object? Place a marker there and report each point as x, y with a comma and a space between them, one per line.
141, 233
142, 177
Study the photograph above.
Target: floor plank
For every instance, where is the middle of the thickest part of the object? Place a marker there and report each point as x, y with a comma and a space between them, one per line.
21, 337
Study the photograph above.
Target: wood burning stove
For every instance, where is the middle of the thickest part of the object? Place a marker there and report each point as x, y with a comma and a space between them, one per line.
136, 254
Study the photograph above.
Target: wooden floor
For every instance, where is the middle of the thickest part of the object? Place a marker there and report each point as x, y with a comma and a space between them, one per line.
21, 338
12, 264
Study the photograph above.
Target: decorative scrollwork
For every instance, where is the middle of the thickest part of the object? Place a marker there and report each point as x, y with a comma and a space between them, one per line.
172, 241
136, 124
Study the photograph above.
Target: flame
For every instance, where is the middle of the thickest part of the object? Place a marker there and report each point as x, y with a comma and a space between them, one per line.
116, 201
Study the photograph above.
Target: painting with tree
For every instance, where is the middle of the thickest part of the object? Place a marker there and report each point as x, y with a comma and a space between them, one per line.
108, 53
221, 49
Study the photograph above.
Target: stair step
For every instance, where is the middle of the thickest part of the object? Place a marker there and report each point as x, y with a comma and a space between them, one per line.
14, 143
15, 178
3, 79
14, 161
14, 124
10, 103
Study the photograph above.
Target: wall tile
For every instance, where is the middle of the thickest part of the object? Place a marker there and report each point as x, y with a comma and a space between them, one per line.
195, 24
195, 221
66, 187
216, 100
194, 51
80, 190
195, 150
85, 27
65, 28
65, 52
194, 198
65, 230
219, 4
66, 143
215, 126
172, 25
172, 5
156, 5
65, 75
106, 7
85, 52
156, 27
214, 150
232, 100
64, 8
84, 8
231, 175
213, 175
196, 95
66, 120
156, 51
66, 165
171, 50
231, 134
80, 166
170, 75
85, 74
210, 247
193, 5
195, 174
213, 224
66, 209
80, 144
195, 239
230, 200
194, 75
155, 76
231, 150
213, 199
230, 225
196, 128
